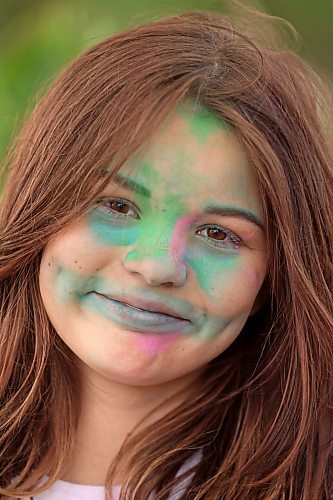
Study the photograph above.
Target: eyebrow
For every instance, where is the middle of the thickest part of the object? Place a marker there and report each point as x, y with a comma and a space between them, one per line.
230, 211
131, 185
236, 212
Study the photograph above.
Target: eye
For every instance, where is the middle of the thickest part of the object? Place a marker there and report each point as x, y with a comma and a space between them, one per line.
219, 237
120, 208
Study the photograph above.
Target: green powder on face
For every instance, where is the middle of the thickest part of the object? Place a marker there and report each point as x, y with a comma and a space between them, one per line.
157, 230
203, 122
212, 269
69, 285
153, 233
109, 231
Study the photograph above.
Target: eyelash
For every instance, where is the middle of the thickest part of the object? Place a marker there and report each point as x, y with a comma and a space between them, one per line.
118, 215
235, 240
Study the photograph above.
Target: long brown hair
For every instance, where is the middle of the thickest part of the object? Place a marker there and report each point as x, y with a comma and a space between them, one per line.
262, 413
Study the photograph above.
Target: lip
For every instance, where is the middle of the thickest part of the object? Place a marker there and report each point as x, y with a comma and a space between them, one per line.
133, 318
145, 305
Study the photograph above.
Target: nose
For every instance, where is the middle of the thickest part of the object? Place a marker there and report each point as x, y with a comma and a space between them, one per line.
159, 270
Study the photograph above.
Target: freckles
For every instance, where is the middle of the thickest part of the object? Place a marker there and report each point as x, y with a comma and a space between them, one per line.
71, 249
69, 272
70, 285
47, 272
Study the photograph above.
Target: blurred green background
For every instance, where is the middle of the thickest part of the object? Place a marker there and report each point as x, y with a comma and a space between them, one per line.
38, 37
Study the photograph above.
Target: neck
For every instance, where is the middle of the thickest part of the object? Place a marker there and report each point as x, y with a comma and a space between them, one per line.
110, 411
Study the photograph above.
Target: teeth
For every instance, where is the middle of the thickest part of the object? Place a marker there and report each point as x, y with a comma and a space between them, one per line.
144, 310
136, 308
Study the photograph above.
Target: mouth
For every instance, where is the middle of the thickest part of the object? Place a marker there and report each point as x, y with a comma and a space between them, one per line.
140, 315
145, 306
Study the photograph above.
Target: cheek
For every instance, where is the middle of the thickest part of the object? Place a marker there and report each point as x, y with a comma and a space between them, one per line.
73, 248
104, 231
70, 265
214, 272
239, 294
228, 281
60, 284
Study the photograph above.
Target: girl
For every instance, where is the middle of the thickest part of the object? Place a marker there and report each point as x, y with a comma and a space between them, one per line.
166, 275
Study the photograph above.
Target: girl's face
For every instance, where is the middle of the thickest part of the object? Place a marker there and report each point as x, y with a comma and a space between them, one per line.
161, 276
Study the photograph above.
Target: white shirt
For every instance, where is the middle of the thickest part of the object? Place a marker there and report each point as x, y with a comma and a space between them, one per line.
63, 490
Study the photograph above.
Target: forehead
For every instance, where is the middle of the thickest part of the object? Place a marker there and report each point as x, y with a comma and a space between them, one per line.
195, 154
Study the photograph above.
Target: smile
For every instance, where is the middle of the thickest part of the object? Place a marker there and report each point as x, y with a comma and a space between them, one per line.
151, 319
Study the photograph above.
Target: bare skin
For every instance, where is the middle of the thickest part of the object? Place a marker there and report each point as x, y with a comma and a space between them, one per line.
208, 266
97, 442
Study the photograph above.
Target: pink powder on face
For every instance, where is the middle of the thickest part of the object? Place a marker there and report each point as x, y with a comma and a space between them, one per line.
178, 242
155, 342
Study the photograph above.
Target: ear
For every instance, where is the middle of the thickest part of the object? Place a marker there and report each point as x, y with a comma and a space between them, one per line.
261, 298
